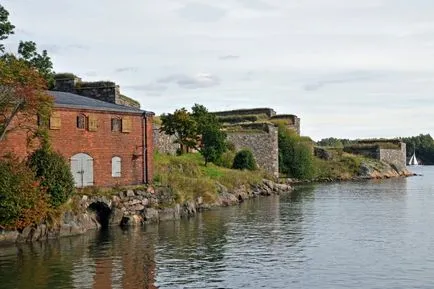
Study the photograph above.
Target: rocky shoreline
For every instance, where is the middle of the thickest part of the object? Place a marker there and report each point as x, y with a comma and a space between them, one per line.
135, 207
366, 172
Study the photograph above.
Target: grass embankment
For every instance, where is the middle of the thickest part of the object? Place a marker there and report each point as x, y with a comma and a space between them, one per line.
343, 165
189, 178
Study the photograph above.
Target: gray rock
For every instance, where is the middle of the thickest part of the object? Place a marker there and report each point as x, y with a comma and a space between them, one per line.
138, 207
130, 193
145, 202
8, 237
116, 217
151, 215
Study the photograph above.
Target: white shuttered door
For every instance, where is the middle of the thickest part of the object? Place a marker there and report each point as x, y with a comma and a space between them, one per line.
82, 170
116, 167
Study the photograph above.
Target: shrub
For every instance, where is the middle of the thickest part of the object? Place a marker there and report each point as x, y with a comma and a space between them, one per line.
213, 143
295, 155
54, 174
226, 160
22, 201
244, 160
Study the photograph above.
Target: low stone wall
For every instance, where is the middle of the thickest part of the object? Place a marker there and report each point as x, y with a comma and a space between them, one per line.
263, 144
133, 208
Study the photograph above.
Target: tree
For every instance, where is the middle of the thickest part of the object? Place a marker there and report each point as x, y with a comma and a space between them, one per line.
42, 62
423, 145
295, 156
199, 130
54, 174
22, 96
27, 50
213, 144
6, 28
181, 125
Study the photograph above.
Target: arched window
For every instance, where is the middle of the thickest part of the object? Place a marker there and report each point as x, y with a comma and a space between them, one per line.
116, 167
81, 121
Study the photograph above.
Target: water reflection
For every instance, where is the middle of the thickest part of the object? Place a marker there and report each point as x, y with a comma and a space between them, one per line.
342, 235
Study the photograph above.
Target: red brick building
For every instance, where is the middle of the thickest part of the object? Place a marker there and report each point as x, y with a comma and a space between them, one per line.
106, 144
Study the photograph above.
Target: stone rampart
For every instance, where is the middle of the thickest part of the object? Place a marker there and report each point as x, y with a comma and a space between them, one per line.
262, 143
395, 156
267, 111
102, 90
164, 143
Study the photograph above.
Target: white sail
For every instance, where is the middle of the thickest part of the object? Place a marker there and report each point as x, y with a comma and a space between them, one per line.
413, 160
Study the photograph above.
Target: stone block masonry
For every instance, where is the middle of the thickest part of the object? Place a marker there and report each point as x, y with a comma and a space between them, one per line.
263, 144
164, 143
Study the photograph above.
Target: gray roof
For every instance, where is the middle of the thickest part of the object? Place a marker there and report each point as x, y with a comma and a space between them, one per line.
70, 100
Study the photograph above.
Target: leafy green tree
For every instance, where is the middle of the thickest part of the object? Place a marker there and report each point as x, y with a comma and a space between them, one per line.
27, 50
295, 155
6, 28
213, 143
199, 130
54, 174
41, 61
331, 142
423, 145
181, 125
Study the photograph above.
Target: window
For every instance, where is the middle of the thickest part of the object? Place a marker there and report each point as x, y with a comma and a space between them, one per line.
127, 125
55, 121
116, 167
116, 124
92, 123
81, 121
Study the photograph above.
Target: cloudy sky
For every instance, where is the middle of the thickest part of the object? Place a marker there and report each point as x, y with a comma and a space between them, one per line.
348, 68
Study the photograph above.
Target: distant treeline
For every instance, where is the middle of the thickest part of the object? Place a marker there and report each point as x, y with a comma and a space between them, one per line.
422, 144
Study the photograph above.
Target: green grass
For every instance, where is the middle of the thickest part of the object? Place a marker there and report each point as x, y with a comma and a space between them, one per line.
343, 165
189, 178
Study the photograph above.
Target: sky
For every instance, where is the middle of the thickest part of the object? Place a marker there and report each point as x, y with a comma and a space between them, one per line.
347, 68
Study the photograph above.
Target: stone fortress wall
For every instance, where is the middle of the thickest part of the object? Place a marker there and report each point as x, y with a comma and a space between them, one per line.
251, 129
164, 143
389, 151
102, 90
262, 141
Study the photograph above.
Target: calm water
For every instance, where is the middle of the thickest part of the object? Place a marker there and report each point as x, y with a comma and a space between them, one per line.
351, 235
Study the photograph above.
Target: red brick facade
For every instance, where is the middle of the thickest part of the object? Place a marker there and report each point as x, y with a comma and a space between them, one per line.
134, 147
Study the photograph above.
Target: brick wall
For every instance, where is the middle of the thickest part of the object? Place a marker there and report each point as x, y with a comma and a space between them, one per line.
133, 148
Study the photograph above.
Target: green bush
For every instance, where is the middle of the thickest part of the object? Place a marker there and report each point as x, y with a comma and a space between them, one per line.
22, 201
226, 160
54, 174
295, 155
244, 159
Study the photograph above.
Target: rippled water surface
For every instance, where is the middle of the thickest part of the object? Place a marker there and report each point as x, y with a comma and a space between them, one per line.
375, 234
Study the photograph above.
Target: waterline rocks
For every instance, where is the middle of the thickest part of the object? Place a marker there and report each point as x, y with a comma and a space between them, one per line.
135, 207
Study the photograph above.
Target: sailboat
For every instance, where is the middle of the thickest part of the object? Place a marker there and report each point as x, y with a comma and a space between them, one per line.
413, 160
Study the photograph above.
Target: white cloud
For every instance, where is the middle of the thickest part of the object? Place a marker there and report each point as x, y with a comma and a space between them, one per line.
347, 68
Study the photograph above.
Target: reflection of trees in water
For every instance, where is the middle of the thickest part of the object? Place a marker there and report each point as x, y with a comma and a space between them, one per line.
41, 264
100, 259
123, 259
192, 248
